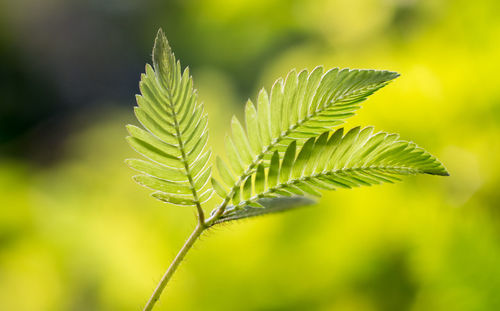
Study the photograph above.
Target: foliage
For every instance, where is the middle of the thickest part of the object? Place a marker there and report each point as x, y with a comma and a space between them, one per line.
290, 151
285, 153
177, 132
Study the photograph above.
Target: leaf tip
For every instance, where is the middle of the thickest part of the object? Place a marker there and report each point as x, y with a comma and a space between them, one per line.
442, 172
130, 128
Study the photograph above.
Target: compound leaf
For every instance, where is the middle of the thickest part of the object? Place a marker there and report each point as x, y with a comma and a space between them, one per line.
265, 206
333, 160
175, 132
301, 107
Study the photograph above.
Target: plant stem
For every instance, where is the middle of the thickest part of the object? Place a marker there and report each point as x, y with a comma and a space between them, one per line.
173, 266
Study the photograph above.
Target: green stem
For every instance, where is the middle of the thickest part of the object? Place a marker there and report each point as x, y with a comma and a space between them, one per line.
173, 266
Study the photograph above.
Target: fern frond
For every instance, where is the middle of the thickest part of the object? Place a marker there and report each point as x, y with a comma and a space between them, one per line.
358, 158
176, 132
304, 105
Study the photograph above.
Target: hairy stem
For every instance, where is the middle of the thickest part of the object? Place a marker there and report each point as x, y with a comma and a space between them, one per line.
173, 267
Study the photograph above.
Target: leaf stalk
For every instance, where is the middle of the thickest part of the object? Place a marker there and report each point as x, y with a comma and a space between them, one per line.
173, 266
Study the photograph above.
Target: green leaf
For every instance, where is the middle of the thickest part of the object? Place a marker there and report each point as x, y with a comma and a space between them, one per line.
285, 151
252, 125
247, 188
289, 93
303, 159
276, 107
173, 199
264, 117
175, 132
236, 196
315, 158
201, 181
339, 161
260, 179
159, 171
303, 106
287, 164
219, 189
241, 141
162, 185
224, 171
233, 156
274, 170
265, 206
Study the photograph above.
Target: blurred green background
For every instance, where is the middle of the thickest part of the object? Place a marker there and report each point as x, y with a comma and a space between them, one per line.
77, 234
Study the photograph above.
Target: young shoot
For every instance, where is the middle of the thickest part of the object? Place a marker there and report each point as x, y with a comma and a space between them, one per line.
289, 148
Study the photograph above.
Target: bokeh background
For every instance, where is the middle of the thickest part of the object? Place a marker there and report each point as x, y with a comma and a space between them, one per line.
77, 234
